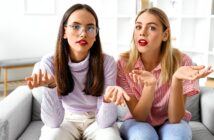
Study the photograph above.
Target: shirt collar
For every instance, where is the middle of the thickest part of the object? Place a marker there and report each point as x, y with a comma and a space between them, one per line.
139, 65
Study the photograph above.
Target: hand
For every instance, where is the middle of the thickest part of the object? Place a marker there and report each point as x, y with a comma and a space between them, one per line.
40, 79
143, 77
192, 72
116, 95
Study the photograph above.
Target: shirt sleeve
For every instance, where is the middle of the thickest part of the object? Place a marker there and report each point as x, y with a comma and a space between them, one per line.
107, 112
121, 77
52, 111
190, 87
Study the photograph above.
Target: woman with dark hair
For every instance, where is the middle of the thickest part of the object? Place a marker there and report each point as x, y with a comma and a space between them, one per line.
77, 76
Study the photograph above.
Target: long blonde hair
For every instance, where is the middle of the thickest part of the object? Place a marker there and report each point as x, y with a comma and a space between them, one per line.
170, 57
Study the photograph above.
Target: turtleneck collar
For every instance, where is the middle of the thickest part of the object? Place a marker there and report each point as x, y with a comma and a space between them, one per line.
79, 66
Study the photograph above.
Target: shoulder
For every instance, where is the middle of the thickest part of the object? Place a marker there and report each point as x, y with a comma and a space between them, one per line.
186, 60
122, 62
108, 59
48, 58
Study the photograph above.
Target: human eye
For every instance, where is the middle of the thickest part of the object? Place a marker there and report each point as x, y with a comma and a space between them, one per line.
75, 27
138, 27
91, 29
152, 28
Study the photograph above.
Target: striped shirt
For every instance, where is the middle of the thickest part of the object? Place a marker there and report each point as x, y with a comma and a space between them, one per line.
53, 106
159, 111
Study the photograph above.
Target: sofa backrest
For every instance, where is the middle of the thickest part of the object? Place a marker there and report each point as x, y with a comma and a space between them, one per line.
193, 106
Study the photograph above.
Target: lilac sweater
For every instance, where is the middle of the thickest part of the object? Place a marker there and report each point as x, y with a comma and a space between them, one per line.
53, 106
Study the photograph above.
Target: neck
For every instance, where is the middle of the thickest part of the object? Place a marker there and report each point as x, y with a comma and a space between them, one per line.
150, 62
78, 57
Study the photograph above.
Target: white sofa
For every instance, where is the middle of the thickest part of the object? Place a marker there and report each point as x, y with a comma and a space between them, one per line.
20, 114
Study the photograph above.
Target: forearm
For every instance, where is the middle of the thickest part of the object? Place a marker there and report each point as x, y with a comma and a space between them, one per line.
106, 115
52, 112
176, 108
143, 107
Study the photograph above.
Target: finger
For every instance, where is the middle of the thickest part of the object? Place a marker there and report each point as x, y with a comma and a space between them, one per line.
136, 71
126, 96
29, 84
45, 75
109, 91
28, 78
198, 67
114, 95
135, 78
40, 76
34, 83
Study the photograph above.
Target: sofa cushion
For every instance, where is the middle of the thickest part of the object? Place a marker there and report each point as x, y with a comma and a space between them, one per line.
3, 130
193, 106
200, 132
33, 131
36, 107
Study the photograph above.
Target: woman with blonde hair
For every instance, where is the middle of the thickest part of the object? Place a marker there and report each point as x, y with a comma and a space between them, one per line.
154, 80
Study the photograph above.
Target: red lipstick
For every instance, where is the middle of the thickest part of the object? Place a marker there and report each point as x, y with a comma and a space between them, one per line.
82, 42
142, 42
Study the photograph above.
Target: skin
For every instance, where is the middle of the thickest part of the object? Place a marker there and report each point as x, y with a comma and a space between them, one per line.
149, 28
77, 52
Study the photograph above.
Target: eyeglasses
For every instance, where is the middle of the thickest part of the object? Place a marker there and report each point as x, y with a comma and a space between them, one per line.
91, 30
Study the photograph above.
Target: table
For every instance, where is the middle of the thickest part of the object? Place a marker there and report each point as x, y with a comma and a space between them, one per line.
6, 65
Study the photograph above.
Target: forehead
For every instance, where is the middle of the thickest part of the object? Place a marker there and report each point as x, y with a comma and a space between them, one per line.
147, 17
82, 16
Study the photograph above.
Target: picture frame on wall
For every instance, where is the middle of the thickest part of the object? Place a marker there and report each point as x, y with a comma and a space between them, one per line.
39, 7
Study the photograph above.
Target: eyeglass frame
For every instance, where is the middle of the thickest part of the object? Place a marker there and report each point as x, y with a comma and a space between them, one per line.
83, 28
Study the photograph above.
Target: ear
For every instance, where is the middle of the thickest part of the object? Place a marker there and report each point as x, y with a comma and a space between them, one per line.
165, 35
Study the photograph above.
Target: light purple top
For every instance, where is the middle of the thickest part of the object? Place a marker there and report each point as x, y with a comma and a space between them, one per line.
53, 106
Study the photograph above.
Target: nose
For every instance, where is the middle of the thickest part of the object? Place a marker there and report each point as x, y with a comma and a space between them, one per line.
143, 32
82, 32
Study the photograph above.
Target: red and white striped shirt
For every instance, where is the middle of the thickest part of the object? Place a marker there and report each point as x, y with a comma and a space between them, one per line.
159, 111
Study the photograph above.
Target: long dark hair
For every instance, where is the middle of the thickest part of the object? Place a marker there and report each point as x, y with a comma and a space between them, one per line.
64, 79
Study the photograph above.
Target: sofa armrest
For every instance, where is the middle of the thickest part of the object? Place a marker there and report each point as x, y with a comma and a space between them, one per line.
207, 108
15, 113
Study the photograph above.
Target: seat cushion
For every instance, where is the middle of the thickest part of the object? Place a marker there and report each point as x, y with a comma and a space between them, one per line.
200, 132
33, 131
36, 107
193, 106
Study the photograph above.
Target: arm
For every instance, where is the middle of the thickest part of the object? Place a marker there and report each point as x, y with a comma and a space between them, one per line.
107, 112
176, 108
52, 111
141, 109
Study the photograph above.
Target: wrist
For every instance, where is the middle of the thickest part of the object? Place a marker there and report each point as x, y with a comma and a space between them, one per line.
51, 85
176, 80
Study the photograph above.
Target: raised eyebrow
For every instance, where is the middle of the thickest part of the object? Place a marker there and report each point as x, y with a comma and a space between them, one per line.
75, 22
90, 24
148, 23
